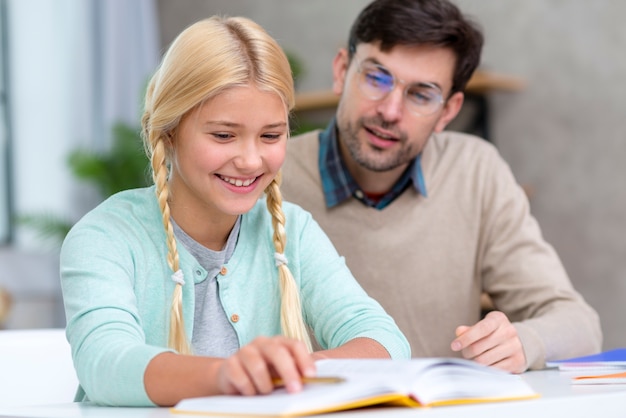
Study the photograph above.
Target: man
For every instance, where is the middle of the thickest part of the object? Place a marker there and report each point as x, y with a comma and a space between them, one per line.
429, 219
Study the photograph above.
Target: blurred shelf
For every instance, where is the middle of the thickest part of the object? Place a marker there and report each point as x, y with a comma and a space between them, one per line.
315, 100
5, 305
481, 83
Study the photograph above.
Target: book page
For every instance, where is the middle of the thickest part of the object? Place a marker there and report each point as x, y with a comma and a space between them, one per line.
366, 382
355, 391
434, 380
454, 382
396, 375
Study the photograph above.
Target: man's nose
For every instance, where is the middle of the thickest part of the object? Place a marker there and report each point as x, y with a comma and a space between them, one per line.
391, 106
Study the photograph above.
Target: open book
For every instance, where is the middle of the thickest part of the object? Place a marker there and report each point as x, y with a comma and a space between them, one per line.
416, 382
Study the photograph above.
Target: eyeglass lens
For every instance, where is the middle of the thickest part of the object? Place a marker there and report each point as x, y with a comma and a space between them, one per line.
376, 82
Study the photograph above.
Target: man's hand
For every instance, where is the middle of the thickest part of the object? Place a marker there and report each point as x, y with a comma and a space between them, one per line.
492, 341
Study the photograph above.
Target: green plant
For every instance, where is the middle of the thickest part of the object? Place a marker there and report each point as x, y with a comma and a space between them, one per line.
297, 67
49, 227
124, 166
300, 126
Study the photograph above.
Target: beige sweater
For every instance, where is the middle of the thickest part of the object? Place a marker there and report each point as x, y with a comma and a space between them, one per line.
427, 259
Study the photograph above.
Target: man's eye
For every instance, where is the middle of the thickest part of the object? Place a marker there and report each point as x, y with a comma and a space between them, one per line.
422, 94
378, 79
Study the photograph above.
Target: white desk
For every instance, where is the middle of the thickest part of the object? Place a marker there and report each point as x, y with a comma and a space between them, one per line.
35, 367
559, 399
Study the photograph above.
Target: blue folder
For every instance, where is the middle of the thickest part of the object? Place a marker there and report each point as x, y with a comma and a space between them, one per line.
607, 359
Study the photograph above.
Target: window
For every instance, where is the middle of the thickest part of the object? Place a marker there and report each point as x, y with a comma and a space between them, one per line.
82, 70
5, 135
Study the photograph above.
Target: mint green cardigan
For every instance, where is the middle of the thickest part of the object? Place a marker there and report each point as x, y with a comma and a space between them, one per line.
117, 291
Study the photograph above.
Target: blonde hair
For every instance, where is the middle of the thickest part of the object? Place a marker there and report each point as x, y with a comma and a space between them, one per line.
205, 59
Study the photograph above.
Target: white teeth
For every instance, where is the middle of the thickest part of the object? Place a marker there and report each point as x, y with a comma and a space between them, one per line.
238, 182
381, 135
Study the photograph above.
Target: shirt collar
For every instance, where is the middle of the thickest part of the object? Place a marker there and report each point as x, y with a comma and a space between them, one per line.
338, 184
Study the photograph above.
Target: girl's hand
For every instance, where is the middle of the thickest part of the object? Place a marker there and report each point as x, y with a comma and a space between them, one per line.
250, 371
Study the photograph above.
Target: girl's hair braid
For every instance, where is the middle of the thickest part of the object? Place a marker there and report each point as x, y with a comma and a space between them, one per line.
291, 319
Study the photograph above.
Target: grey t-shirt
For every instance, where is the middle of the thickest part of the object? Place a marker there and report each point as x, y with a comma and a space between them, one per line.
213, 334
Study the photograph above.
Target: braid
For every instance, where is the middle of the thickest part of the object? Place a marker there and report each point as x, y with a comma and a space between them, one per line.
208, 57
291, 319
177, 336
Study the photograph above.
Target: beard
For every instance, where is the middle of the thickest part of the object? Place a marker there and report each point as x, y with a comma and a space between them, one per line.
371, 157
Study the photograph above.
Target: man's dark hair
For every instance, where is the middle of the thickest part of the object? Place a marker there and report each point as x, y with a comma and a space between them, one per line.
421, 22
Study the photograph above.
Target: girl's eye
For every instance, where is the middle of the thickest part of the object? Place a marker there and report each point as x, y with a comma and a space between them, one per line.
272, 136
221, 136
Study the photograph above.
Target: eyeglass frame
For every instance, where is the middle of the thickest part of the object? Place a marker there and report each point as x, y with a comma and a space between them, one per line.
397, 81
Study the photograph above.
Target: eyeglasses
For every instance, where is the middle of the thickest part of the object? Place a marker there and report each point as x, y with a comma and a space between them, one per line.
376, 82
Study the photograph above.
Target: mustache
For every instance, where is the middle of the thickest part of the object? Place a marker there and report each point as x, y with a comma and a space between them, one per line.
378, 121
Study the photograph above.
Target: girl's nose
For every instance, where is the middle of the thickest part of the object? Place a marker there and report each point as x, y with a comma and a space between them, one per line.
249, 156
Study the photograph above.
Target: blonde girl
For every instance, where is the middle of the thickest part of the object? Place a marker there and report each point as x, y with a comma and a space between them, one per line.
207, 283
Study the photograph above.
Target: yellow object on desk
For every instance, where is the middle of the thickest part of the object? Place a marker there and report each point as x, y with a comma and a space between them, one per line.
601, 379
327, 380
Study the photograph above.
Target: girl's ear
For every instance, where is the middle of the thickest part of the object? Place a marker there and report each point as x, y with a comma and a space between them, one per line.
169, 136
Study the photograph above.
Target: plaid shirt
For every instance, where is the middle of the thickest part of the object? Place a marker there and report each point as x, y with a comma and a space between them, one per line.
339, 185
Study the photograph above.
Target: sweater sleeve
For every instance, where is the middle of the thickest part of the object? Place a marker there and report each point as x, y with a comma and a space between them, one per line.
336, 307
104, 329
526, 279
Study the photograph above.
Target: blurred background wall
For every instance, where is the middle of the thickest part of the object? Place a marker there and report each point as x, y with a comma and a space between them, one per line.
563, 134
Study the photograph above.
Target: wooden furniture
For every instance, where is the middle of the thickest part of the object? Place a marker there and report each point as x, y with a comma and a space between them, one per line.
481, 83
5, 305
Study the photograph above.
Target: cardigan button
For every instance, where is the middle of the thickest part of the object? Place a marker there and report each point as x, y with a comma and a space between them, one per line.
234, 318
223, 271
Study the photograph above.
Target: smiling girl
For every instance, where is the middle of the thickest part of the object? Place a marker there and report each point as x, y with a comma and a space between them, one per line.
207, 283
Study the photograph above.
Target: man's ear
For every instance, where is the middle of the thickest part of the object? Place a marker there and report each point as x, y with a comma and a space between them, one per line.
340, 68
451, 108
